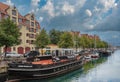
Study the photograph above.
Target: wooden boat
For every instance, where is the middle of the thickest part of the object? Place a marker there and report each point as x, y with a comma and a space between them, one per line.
44, 66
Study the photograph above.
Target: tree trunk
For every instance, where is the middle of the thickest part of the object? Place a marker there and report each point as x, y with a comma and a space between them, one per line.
5, 51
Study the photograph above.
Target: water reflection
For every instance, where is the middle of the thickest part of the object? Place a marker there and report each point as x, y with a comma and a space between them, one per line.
108, 71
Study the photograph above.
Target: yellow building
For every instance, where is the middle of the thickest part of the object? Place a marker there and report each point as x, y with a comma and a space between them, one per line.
28, 25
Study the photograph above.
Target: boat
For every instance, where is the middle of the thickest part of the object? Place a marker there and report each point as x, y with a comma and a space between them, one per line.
104, 53
94, 54
38, 67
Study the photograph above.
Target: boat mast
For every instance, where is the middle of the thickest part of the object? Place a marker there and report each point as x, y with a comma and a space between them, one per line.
94, 41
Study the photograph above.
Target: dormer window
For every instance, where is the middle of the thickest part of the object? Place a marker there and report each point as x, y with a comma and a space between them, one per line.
32, 17
13, 12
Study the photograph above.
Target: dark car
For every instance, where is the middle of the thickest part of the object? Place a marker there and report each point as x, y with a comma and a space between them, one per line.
31, 54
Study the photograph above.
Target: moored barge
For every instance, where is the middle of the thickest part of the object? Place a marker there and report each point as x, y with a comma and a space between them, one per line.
44, 66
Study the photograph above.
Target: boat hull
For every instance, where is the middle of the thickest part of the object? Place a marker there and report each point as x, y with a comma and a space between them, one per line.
44, 72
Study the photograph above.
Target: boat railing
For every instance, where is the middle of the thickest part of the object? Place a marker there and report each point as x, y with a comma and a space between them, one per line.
29, 65
57, 64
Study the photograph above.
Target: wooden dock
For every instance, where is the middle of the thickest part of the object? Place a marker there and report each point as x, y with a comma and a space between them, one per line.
3, 70
3, 66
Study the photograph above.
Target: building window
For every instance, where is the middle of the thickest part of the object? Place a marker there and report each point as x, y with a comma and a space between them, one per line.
37, 24
13, 12
19, 20
20, 33
27, 28
32, 41
32, 17
20, 40
31, 30
27, 22
32, 23
27, 34
14, 19
31, 36
35, 30
27, 41
6, 16
34, 36
19, 26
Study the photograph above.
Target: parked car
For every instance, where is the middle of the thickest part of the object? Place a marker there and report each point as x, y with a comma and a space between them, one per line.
31, 54
12, 54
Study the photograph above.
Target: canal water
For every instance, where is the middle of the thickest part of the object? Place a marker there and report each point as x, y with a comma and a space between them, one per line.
102, 70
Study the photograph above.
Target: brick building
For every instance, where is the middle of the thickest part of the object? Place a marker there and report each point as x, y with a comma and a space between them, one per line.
27, 24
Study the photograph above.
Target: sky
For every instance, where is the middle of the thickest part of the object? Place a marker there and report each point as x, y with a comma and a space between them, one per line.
100, 17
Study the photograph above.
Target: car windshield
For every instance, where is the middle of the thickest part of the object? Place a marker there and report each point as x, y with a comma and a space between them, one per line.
10, 53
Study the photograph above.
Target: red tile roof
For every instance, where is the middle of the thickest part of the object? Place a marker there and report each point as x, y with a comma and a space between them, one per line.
20, 16
3, 9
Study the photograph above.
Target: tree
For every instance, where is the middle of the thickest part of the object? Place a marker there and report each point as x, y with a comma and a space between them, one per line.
42, 39
76, 39
54, 36
66, 40
9, 33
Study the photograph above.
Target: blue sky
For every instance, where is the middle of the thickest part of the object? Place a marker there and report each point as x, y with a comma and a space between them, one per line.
99, 17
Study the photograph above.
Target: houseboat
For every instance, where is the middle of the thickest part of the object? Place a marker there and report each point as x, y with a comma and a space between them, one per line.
38, 67
104, 53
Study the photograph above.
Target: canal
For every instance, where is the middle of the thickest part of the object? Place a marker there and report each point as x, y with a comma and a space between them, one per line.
102, 70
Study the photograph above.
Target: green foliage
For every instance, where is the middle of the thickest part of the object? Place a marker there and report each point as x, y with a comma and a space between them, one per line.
9, 33
42, 39
86, 42
54, 36
66, 40
76, 40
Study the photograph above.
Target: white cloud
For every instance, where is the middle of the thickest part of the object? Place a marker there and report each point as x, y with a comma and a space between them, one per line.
74, 14
67, 8
96, 9
88, 12
40, 19
80, 15
21, 8
34, 5
35, 2
116, 4
49, 8
111, 23
107, 4
55, 8
115, 36
91, 27
8, 2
